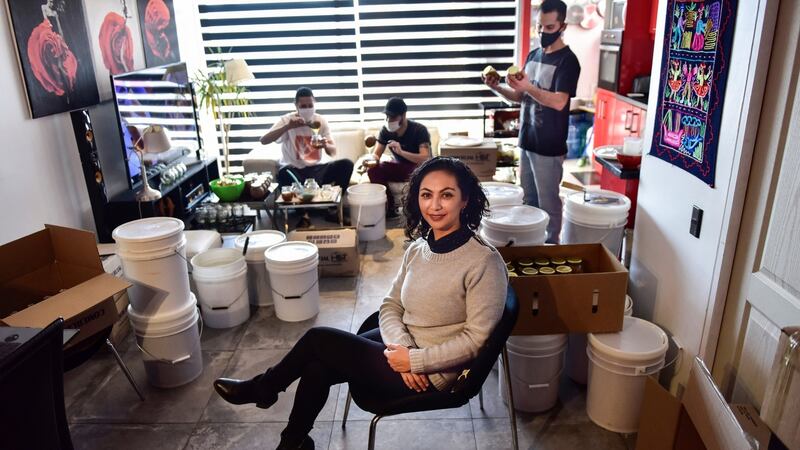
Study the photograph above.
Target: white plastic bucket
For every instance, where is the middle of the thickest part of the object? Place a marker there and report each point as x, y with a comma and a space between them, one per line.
293, 275
198, 241
221, 278
153, 253
518, 225
258, 286
536, 366
598, 216
502, 194
170, 345
368, 210
619, 364
577, 360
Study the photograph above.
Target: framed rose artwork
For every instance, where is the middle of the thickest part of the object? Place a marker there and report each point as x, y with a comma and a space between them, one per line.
159, 32
116, 40
53, 51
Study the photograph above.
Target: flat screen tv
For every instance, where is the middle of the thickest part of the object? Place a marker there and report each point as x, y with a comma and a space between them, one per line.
156, 96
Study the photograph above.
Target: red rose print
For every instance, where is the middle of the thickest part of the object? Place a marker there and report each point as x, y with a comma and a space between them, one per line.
52, 62
116, 44
156, 20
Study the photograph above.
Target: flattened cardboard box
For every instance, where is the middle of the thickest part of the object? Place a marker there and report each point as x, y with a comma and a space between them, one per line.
588, 302
57, 272
338, 250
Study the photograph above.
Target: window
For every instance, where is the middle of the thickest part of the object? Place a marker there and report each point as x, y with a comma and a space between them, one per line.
355, 54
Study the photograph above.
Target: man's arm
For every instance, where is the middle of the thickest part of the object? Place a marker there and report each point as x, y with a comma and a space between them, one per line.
554, 100
503, 91
330, 147
416, 158
280, 127
378, 152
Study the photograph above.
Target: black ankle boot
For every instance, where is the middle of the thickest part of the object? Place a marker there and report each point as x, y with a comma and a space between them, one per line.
289, 444
239, 392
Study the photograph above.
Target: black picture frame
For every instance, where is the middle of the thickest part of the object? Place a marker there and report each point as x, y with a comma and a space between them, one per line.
159, 32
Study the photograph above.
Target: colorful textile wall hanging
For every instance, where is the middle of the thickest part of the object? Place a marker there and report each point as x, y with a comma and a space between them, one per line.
694, 68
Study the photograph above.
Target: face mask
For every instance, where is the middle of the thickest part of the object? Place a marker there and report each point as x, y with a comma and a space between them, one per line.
549, 39
306, 113
392, 126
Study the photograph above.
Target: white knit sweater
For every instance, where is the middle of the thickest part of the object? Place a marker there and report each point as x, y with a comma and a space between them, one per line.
444, 306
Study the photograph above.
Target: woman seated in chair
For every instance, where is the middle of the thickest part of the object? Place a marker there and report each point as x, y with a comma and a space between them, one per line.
445, 301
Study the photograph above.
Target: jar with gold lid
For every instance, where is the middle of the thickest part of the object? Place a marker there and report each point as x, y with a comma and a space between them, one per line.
557, 261
563, 270
547, 270
530, 271
576, 263
542, 262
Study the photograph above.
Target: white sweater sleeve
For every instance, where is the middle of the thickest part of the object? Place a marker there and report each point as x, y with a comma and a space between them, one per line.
392, 328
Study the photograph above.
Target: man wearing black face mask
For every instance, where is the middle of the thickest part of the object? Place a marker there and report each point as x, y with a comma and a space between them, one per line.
548, 81
407, 140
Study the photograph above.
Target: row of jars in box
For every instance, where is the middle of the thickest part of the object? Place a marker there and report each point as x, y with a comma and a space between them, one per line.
544, 266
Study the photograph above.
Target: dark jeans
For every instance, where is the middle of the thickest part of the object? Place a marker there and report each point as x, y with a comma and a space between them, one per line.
336, 172
324, 357
388, 171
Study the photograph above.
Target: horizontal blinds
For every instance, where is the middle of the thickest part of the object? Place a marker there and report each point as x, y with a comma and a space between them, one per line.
355, 54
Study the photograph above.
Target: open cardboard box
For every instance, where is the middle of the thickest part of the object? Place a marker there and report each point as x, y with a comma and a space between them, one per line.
57, 272
702, 419
338, 250
588, 302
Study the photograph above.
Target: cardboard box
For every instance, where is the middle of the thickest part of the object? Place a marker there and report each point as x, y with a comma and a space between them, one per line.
701, 420
751, 423
53, 273
781, 408
338, 250
481, 159
592, 301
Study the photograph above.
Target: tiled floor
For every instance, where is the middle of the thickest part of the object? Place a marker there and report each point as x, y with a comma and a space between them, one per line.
104, 411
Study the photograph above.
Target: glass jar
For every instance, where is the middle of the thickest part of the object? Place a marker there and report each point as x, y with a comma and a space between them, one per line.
238, 210
512, 274
563, 270
557, 261
542, 262
201, 215
576, 263
530, 271
547, 270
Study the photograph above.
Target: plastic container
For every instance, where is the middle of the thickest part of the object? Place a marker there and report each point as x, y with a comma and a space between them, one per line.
221, 278
258, 286
170, 345
368, 210
198, 241
153, 253
502, 194
618, 366
517, 225
577, 360
536, 366
292, 268
598, 216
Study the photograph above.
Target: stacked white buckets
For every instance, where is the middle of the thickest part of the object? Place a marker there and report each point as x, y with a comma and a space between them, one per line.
220, 275
595, 217
514, 225
620, 362
258, 285
162, 310
368, 210
501, 194
536, 365
294, 279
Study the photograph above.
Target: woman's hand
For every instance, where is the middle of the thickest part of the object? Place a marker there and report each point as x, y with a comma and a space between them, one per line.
398, 358
415, 382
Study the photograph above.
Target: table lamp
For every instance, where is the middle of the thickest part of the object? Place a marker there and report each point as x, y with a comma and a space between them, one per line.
154, 139
236, 71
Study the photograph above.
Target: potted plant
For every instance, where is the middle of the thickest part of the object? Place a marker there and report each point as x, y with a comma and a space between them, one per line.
218, 90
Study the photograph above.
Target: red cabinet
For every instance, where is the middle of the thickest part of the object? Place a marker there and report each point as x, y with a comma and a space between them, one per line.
614, 120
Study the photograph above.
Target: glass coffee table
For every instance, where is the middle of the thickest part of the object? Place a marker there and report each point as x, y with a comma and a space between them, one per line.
334, 200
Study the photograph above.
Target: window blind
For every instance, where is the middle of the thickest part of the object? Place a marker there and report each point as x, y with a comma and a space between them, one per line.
355, 54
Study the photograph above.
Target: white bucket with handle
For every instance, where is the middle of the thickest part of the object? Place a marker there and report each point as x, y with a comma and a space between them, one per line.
294, 278
221, 278
536, 366
258, 287
368, 210
596, 216
517, 225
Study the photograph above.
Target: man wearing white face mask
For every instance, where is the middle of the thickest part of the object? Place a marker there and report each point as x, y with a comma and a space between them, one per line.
301, 152
409, 142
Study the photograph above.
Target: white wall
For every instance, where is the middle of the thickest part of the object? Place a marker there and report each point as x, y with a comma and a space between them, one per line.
40, 174
677, 280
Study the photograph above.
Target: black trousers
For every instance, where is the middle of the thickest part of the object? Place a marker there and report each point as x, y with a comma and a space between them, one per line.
324, 357
336, 172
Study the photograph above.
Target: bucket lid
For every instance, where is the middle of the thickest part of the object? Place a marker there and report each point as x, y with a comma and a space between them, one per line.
366, 189
291, 253
597, 207
502, 193
164, 324
259, 241
638, 341
536, 344
150, 229
628, 303
516, 217
198, 241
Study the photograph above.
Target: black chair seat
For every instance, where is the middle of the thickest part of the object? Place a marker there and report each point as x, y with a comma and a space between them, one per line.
415, 402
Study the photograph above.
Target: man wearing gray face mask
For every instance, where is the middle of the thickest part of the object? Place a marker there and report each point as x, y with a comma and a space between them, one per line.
303, 136
544, 87
407, 140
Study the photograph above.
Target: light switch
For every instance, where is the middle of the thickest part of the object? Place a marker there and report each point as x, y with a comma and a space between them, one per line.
696, 222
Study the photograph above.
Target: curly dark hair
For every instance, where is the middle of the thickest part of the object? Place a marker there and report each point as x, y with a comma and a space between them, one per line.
468, 183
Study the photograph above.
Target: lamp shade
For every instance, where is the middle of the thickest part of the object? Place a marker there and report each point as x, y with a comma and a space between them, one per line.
155, 139
236, 71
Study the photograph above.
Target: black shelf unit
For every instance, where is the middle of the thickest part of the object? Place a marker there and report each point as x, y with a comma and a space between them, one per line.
494, 114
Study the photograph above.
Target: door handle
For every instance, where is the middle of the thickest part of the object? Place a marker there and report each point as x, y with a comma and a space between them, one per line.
628, 120
634, 120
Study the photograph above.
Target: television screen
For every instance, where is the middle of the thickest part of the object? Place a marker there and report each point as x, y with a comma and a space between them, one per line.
156, 96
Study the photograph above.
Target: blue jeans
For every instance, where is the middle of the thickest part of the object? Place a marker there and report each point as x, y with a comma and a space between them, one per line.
540, 177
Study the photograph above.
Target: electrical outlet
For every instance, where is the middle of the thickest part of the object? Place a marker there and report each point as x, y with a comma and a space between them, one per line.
696, 222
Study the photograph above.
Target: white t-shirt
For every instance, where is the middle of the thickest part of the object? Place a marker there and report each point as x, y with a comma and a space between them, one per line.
296, 148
